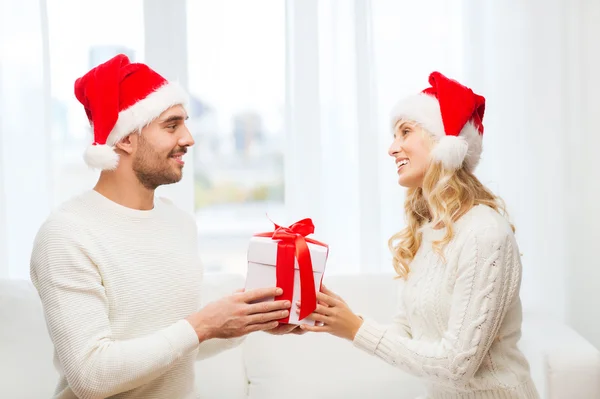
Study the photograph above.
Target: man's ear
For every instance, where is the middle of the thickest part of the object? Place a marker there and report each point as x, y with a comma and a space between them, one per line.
127, 144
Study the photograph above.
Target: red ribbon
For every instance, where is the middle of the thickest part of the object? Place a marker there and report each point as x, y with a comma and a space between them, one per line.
291, 246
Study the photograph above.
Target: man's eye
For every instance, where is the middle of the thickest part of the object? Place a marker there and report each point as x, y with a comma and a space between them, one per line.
405, 132
171, 126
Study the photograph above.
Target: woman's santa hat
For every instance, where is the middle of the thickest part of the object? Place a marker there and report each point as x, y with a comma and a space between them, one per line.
453, 114
120, 98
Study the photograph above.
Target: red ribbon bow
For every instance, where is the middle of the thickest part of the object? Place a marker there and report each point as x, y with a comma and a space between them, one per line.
292, 245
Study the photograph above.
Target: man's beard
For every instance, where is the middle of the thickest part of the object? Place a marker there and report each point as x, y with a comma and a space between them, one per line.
153, 169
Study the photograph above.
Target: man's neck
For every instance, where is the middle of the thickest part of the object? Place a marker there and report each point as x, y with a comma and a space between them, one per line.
125, 190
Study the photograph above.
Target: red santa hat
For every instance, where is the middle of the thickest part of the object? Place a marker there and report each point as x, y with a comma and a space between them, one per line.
452, 113
119, 98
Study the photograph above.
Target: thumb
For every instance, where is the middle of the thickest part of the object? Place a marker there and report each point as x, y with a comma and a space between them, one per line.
327, 291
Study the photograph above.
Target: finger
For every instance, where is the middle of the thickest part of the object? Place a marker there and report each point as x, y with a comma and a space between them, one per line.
298, 304
317, 317
327, 299
261, 318
265, 307
326, 290
261, 293
261, 327
324, 310
332, 294
310, 328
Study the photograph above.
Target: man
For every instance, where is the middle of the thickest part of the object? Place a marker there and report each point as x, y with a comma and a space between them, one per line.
117, 270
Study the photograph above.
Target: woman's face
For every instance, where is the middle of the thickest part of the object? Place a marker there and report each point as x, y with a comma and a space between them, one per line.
411, 150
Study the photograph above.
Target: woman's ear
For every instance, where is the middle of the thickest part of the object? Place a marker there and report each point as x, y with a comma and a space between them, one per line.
127, 144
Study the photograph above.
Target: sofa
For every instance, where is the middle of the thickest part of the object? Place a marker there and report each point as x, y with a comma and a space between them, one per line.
311, 366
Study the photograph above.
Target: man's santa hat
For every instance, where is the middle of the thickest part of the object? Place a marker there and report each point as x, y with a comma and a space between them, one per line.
453, 114
119, 98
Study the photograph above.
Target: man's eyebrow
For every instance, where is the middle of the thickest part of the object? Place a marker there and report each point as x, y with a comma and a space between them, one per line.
175, 118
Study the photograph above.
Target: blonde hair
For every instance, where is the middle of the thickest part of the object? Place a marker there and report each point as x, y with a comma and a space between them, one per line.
444, 197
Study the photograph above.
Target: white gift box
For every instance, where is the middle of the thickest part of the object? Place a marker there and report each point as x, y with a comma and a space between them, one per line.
262, 260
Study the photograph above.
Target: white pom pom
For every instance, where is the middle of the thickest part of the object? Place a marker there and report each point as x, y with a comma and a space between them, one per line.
451, 151
101, 157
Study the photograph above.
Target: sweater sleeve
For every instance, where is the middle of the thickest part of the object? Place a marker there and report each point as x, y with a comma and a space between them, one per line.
488, 276
76, 310
213, 347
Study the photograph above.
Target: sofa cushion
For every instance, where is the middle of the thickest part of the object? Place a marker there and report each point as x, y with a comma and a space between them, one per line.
322, 366
221, 376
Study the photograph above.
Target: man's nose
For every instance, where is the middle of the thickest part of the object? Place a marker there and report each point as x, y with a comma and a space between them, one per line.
187, 140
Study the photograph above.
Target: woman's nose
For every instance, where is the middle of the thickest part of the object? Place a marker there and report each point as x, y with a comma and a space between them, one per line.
394, 149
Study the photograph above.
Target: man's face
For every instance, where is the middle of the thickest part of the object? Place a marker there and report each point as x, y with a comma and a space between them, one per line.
157, 158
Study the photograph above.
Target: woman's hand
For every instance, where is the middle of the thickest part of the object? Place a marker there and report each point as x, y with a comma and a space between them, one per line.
333, 316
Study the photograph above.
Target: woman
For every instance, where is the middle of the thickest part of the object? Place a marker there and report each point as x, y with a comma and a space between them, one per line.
461, 312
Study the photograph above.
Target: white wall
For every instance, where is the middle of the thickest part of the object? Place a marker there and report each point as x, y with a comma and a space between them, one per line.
581, 141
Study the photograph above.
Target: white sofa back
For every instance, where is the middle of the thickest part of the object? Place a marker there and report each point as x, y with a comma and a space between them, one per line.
315, 366
26, 353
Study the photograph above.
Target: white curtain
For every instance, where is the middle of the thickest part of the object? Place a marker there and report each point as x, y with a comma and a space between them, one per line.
25, 173
347, 62
344, 77
536, 63
516, 59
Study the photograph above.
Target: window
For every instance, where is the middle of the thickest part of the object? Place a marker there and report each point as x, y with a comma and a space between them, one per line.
306, 82
24, 169
83, 34
236, 64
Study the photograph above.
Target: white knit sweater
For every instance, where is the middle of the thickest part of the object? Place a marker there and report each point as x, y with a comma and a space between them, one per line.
116, 285
460, 320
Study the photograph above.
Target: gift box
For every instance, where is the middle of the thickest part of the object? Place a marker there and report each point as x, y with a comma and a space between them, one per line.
286, 258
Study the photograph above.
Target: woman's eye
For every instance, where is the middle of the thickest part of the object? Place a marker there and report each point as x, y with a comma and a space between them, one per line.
405, 132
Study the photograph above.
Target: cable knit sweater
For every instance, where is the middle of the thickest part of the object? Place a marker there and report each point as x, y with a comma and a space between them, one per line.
460, 320
116, 285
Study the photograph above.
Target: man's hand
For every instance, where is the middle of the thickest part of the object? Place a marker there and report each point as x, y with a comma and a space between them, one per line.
237, 315
286, 329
